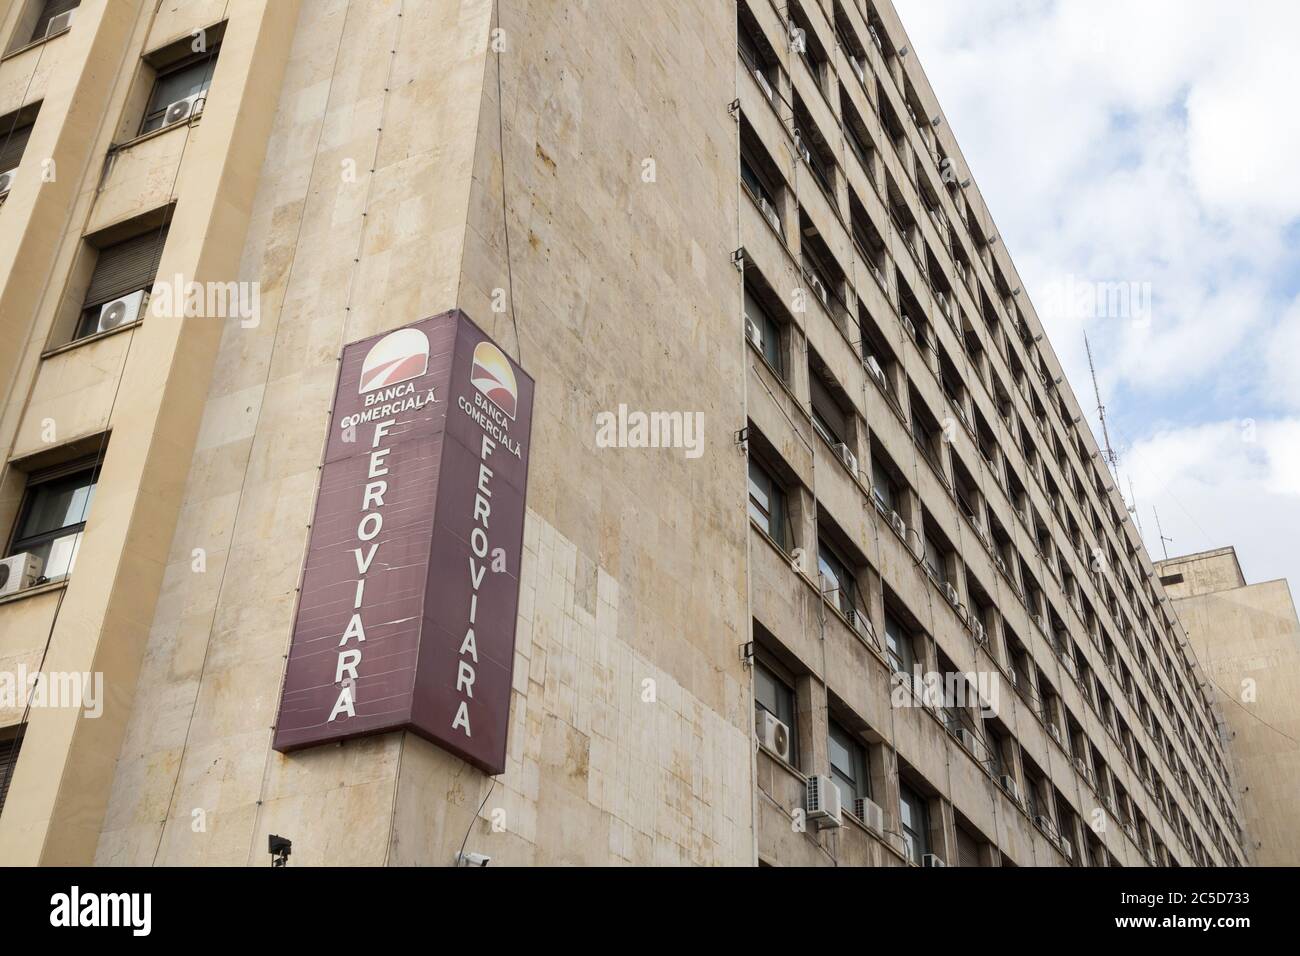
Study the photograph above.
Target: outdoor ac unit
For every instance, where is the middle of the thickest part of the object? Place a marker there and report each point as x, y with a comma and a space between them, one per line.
769, 212
803, 151
7, 180
1043, 821
909, 327
824, 802
1055, 732
19, 571
931, 860
1081, 765
772, 734
60, 23
1067, 848
820, 290
950, 593
121, 311
873, 369
799, 560
968, 740
763, 85
861, 624
1008, 783
846, 455
1038, 622
1011, 676
870, 814
977, 629
184, 109
896, 522
999, 563
753, 333
858, 70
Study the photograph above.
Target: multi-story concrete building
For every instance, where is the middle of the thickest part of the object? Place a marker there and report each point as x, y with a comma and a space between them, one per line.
748, 212
1248, 637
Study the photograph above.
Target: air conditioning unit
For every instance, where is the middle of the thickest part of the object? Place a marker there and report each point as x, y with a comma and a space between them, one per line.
1038, 622
769, 213
870, 814
846, 455
181, 110
931, 860
968, 740
1131, 831
799, 560
874, 370
1081, 765
121, 311
896, 522
772, 734
753, 333
858, 70
1008, 783
19, 571
977, 629
1013, 678
1000, 564
820, 289
950, 593
1044, 822
909, 328
1067, 848
824, 803
1055, 732
878, 500
861, 624
7, 180
60, 23
763, 85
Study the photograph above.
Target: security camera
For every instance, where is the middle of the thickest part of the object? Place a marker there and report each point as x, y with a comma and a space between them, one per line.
472, 859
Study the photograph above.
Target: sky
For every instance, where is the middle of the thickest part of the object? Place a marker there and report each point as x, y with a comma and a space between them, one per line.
1141, 159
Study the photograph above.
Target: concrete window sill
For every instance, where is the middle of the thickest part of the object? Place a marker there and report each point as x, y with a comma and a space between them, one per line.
45, 588
34, 43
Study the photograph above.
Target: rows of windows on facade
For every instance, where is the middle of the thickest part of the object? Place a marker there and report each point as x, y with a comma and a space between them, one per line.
107, 292
998, 344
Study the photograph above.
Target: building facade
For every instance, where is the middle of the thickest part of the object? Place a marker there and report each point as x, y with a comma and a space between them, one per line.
885, 607
1248, 637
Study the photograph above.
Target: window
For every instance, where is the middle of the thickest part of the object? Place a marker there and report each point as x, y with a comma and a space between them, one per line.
11, 742
121, 269
13, 143
898, 644
968, 848
49, 10
837, 581
769, 333
767, 503
189, 79
882, 486
916, 824
848, 766
53, 516
772, 695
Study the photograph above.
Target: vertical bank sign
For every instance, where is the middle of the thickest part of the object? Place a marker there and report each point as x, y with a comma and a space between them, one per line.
406, 617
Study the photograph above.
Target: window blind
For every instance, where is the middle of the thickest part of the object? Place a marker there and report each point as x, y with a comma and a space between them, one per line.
126, 267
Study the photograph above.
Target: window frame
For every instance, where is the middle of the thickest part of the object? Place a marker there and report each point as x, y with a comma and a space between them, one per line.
19, 543
858, 776
205, 60
916, 843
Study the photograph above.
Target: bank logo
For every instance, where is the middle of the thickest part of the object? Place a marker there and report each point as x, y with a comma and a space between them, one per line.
493, 376
397, 357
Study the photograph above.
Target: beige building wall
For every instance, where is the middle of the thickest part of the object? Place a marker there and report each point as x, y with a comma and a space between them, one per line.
1248, 638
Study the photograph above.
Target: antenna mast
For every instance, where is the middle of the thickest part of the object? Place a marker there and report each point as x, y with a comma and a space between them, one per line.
1161, 531
1111, 458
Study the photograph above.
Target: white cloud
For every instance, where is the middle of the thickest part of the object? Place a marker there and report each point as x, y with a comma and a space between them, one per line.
1153, 143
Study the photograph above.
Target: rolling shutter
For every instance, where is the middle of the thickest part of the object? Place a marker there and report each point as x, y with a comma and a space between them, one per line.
126, 267
8, 757
13, 145
968, 851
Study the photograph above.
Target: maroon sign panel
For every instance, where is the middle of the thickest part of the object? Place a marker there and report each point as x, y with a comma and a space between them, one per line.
406, 618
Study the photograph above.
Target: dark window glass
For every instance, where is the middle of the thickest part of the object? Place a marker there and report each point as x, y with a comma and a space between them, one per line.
848, 765
176, 85
52, 519
916, 824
